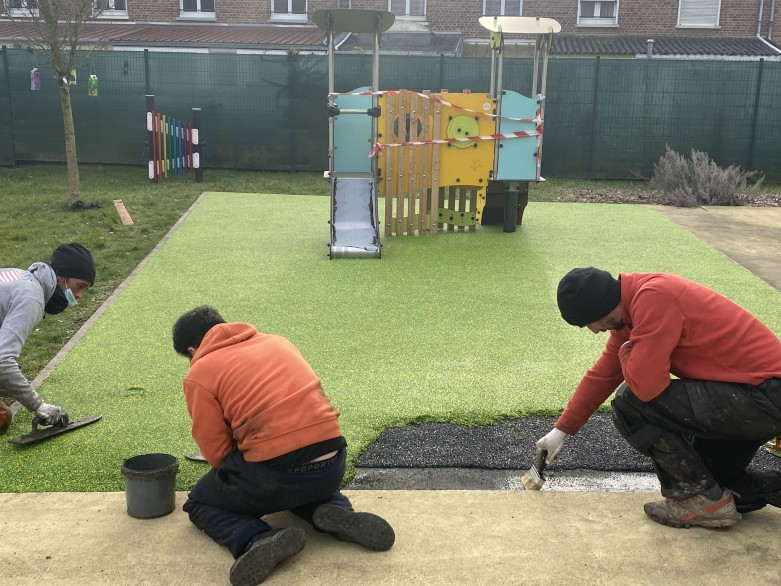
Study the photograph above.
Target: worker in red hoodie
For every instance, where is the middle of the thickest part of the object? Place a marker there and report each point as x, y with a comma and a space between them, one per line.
701, 429
272, 438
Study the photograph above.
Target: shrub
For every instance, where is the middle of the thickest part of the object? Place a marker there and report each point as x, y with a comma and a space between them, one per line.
700, 181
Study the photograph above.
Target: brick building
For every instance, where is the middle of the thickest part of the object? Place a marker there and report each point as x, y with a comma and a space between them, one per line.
682, 28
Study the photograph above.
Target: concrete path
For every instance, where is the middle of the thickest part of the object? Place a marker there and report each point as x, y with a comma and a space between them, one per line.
443, 537
749, 236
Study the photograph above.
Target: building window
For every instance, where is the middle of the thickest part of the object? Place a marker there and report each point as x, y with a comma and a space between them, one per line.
502, 7
111, 8
699, 12
288, 11
408, 8
599, 13
21, 7
196, 8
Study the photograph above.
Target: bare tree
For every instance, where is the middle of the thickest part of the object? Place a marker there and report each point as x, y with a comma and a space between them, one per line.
55, 28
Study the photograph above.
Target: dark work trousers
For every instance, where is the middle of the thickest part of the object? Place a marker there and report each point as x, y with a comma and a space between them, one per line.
700, 433
227, 502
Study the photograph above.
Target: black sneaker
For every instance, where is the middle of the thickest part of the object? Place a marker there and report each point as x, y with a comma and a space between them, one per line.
265, 553
366, 529
757, 488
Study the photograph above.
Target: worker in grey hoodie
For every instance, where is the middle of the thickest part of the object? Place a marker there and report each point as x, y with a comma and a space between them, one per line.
47, 287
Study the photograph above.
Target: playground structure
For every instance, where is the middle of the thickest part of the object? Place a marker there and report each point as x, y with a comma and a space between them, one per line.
353, 174
174, 146
441, 160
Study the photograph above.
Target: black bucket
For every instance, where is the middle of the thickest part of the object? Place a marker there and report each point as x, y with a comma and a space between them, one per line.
150, 485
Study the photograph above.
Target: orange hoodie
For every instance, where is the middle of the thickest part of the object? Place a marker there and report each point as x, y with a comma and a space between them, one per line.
254, 392
677, 327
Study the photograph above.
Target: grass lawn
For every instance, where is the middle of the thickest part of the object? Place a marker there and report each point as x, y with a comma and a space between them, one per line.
461, 327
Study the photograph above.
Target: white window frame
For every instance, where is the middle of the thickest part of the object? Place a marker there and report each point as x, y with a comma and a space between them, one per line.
198, 14
288, 16
597, 21
699, 24
22, 12
503, 9
406, 14
110, 12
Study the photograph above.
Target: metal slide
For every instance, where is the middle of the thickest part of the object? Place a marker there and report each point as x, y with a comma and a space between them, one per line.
355, 228
354, 223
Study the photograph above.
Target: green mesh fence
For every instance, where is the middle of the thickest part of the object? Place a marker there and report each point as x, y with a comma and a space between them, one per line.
610, 118
605, 118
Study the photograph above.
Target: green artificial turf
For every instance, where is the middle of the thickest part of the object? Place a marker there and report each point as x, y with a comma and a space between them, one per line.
461, 327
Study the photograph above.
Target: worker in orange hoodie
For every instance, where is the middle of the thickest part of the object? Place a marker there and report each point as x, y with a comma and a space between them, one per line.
701, 429
262, 421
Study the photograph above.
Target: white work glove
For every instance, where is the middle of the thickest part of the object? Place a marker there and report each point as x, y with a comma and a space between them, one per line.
51, 415
552, 444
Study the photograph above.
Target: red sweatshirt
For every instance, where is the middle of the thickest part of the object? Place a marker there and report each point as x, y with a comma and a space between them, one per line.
256, 393
674, 326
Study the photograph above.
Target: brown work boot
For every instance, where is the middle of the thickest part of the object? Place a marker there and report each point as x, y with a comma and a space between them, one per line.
695, 511
5, 418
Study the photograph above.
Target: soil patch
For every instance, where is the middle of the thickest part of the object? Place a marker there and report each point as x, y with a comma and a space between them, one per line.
644, 196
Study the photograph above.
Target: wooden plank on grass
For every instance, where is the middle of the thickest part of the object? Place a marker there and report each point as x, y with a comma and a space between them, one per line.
124, 215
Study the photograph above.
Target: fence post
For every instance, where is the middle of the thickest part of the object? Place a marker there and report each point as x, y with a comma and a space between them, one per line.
147, 84
754, 116
198, 147
150, 145
594, 108
12, 135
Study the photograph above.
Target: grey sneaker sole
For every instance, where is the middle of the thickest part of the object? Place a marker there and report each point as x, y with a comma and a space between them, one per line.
366, 529
254, 566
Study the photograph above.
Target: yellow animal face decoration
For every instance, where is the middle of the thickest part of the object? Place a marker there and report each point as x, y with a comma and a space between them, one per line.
462, 127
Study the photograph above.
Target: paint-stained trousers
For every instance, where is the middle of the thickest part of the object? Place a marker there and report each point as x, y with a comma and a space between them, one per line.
227, 503
700, 433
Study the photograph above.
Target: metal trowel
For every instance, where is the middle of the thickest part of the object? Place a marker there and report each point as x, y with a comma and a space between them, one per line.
42, 433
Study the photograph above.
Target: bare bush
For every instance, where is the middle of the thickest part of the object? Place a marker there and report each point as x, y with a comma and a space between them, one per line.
700, 181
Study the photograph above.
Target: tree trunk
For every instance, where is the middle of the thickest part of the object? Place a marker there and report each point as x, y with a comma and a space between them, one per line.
74, 189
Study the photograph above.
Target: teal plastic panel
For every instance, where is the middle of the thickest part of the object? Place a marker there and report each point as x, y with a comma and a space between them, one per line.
516, 155
353, 135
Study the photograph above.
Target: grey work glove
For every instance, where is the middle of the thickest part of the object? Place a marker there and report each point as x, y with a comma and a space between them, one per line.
51, 415
551, 443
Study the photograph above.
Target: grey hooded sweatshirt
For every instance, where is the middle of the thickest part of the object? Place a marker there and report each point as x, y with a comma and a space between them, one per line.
23, 296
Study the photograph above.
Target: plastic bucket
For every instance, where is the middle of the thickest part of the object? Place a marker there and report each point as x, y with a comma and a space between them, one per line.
150, 485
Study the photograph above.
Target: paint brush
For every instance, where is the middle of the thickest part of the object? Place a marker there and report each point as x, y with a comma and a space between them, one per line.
534, 478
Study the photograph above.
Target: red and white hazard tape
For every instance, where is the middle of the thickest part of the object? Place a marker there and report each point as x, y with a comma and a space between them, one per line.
378, 147
536, 120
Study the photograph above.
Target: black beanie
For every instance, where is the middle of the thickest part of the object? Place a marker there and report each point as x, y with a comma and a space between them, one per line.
587, 295
73, 261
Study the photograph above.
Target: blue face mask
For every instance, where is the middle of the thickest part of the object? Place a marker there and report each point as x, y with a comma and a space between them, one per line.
71, 298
